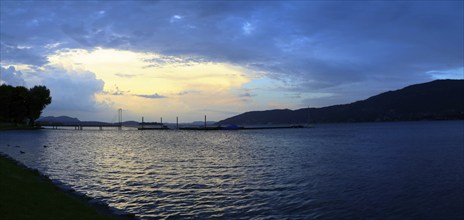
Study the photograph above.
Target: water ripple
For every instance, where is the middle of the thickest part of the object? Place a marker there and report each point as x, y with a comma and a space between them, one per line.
331, 172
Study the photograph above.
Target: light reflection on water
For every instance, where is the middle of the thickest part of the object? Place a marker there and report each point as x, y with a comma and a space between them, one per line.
395, 170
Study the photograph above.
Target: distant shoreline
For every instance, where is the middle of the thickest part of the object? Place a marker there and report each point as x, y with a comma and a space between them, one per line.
241, 126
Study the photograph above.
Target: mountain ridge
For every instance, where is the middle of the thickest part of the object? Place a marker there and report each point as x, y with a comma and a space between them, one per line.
435, 100
59, 119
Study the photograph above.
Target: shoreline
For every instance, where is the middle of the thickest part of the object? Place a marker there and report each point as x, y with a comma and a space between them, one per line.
100, 208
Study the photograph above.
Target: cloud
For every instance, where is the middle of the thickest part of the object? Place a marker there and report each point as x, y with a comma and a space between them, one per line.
153, 96
246, 94
125, 75
294, 96
215, 111
448, 74
18, 54
116, 91
309, 46
247, 28
183, 93
11, 76
73, 91
175, 18
70, 91
187, 92
177, 61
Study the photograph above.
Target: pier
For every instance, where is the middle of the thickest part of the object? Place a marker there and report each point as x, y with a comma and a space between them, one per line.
239, 128
80, 126
157, 125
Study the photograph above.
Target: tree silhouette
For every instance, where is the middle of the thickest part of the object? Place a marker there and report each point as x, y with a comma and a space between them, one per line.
6, 96
38, 99
19, 104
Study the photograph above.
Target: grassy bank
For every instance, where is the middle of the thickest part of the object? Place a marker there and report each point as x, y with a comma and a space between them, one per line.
25, 194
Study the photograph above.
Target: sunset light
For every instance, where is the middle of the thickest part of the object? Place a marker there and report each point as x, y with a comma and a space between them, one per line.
154, 85
231, 109
158, 59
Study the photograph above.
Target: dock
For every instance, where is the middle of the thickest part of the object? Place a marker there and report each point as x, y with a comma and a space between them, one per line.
159, 125
79, 126
222, 128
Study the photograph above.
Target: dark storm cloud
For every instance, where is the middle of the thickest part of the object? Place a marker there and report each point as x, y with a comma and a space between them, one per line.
312, 46
21, 54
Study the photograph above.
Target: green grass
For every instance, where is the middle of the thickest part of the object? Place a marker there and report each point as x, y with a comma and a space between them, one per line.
24, 194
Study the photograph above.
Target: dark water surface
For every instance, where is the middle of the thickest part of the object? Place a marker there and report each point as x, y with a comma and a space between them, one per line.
410, 170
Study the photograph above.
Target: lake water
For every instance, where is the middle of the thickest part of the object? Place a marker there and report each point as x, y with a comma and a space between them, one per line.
407, 170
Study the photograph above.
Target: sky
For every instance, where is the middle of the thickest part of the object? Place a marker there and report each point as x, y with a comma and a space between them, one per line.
221, 58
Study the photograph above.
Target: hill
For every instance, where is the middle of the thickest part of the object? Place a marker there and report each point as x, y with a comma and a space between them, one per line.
436, 100
60, 119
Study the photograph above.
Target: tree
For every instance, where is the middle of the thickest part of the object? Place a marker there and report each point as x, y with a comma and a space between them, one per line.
6, 95
38, 99
18, 104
